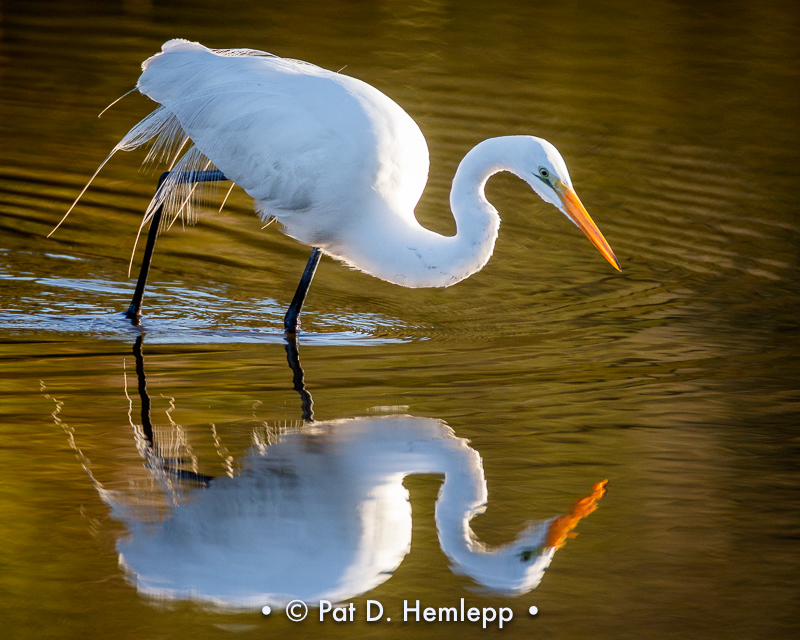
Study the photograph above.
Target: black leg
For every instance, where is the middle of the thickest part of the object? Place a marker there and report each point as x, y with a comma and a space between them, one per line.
134, 312
147, 425
298, 377
291, 319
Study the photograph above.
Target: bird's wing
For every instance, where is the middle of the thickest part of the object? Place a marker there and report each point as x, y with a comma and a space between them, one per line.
296, 137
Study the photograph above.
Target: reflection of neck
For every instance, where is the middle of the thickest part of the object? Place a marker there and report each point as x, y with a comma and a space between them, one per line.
462, 496
515, 567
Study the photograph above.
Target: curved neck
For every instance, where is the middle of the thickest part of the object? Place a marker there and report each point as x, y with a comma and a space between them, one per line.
398, 249
463, 496
499, 569
481, 163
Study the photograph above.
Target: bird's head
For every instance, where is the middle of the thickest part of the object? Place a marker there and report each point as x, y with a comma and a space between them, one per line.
511, 569
519, 566
546, 172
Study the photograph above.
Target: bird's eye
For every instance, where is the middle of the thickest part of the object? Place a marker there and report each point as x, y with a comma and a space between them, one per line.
544, 173
525, 555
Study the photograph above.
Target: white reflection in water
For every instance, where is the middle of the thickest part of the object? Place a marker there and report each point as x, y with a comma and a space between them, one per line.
322, 514
316, 512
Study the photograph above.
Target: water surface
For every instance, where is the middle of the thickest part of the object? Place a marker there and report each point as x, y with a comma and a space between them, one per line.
675, 379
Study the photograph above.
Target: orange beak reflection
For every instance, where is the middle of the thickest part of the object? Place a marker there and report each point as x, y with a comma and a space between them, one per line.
578, 214
562, 527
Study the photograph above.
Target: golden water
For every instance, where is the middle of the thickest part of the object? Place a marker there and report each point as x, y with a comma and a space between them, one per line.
676, 379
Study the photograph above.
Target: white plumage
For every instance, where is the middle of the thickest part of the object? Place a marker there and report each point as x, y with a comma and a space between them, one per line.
321, 514
339, 164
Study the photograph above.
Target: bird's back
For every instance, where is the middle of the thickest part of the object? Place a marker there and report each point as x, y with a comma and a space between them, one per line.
316, 149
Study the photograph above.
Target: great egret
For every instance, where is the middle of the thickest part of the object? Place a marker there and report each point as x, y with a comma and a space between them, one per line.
319, 513
313, 511
339, 164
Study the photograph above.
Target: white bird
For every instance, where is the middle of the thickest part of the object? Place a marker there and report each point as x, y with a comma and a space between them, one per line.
339, 164
311, 512
320, 513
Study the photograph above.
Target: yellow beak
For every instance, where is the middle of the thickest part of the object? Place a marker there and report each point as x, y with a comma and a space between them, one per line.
578, 214
561, 528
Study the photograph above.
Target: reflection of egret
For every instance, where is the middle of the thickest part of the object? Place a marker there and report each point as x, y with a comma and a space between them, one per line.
336, 162
318, 512
322, 513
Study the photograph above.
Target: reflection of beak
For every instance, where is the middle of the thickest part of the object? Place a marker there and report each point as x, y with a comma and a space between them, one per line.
562, 527
578, 214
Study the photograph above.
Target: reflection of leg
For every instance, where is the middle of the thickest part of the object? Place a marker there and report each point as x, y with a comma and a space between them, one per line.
291, 319
134, 312
298, 378
147, 425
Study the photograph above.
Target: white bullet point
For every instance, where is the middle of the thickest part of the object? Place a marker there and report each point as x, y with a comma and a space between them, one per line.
266, 610
533, 610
